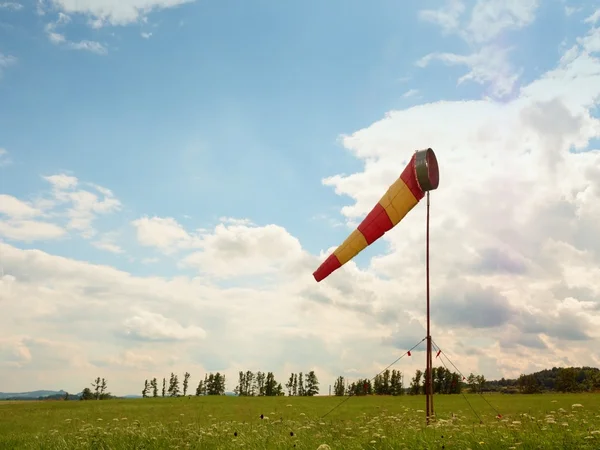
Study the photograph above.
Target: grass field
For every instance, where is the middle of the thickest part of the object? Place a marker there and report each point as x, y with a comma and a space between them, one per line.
528, 422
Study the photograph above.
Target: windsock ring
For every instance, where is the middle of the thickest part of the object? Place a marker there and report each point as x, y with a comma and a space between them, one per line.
420, 175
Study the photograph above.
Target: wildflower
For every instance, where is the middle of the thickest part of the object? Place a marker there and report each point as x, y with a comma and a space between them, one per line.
595, 432
323, 447
577, 405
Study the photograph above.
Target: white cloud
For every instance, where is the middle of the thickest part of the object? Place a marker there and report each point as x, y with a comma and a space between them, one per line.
13, 207
446, 17
146, 35
163, 233
593, 18
82, 206
11, 5
155, 327
107, 243
239, 250
62, 181
123, 12
488, 62
59, 38
17, 223
410, 93
90, 46
29, 230
4, 158
514, 263
6, 61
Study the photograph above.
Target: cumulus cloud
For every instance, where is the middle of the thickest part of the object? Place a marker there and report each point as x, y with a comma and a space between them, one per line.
489, 61
155, 327
108, 12
81, 206
163, 233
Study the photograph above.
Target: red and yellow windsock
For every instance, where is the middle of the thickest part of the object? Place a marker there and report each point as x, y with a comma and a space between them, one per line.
420, 175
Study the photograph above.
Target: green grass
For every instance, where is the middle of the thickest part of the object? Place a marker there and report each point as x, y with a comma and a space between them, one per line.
528, 422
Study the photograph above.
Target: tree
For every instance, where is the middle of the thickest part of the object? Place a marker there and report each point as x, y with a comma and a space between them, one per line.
96, 385
529, 384
415, 386
396, 387
566, 380
215, 384
260, 383
472, 382
154, 386
200, 390
240, 388
87, 394
103, 393
295, 385
249, 383
145, 390
339, 386
173, 386
480, 383
186, 377
272, 388
312, 384
164, 387
290, 385
279, 390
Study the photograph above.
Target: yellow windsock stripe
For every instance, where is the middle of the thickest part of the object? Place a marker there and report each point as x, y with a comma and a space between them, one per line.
354, 244
398, 201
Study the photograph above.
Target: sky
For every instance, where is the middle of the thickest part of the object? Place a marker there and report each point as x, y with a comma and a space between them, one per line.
172, 172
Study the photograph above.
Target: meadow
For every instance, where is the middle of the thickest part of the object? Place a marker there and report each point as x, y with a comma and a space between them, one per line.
547, 421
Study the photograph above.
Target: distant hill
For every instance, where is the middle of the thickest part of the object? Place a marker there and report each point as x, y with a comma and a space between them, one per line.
36, 395
57, 395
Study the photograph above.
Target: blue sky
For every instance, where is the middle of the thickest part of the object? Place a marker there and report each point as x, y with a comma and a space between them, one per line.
236, 109
228, 109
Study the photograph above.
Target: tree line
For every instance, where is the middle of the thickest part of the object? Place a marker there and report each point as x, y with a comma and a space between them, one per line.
557, 379
561, 379
212, 384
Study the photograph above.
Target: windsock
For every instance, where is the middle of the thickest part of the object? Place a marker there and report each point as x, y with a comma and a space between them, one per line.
420, 175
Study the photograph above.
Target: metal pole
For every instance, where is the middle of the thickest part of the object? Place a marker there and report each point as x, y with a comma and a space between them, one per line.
428, 380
